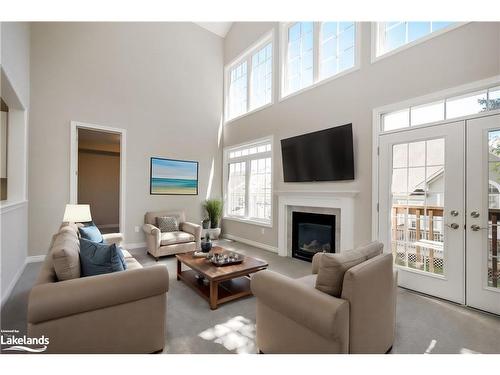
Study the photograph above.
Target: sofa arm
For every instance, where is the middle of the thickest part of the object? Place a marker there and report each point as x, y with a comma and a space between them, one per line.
59, 299
194, 229
113, 238
326, 315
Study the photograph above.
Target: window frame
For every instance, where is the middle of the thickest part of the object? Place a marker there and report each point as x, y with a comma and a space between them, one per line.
375, 40
444, 98
248, 159
247, 54
283, 52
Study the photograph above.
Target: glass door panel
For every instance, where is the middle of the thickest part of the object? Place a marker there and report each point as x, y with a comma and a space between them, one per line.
483, 213
417, 225
421, 183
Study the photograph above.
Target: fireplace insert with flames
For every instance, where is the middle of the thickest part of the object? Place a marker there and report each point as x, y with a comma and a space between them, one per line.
312, 233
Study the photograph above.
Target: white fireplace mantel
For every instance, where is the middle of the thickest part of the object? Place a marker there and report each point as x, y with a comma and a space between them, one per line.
342, 200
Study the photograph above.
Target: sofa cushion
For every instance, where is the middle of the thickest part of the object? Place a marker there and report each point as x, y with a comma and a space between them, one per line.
170, 238
98, 259
132, 264
332, 267
126, 254
65, 255
167, 224
91, 232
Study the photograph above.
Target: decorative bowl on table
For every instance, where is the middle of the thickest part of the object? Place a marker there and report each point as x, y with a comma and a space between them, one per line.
225, 259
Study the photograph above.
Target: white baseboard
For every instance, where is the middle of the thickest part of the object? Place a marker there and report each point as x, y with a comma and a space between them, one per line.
134, 245
12, 284
260, 245
35, 258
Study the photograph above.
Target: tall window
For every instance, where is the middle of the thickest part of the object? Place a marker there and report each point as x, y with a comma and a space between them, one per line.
238, 90
249, 80
336, 48
300, 56
248, 193
393, 35
315, 51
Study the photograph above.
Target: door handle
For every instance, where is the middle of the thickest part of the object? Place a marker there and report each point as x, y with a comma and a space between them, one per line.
453, 226
476, 228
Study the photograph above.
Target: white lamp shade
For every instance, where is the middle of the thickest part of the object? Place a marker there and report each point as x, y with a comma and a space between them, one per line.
77, 213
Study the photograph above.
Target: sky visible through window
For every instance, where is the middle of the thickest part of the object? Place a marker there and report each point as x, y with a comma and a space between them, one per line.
393, 35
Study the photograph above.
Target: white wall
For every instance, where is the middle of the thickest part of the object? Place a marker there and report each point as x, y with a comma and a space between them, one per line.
466, 54
15, 88
162, 82
16, 57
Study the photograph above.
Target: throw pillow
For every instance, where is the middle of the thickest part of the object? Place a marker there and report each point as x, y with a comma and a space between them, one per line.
167, 224
122, 257
332, 267
98, 259
65, 255
91, 232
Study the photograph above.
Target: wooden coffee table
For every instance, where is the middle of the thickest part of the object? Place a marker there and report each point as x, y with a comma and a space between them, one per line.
226, 283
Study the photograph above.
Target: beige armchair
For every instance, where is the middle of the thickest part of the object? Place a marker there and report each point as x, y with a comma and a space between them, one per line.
295, 317
188, 238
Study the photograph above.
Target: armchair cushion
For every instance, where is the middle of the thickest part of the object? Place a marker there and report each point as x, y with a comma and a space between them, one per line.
332, 267
170, 238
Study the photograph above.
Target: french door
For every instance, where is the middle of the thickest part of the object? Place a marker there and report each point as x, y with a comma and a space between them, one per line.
483, 213
439, 209
421, 208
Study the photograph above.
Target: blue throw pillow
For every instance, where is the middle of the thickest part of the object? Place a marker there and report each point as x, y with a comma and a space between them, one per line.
98, 259
122, 257
91, 232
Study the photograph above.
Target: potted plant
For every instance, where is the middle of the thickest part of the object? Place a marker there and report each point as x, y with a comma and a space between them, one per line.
213, 207
205, 223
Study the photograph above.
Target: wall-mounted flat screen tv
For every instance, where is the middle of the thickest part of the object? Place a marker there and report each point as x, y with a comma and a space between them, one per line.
325, 155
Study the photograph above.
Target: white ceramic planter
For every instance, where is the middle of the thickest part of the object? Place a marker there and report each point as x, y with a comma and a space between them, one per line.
213, 232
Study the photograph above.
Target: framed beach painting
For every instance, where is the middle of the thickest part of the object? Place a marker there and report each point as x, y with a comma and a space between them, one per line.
176, 177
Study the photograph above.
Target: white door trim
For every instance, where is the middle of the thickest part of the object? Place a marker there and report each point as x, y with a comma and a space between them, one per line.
73, 183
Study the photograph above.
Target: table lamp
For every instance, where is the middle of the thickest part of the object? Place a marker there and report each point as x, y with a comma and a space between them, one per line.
77, 213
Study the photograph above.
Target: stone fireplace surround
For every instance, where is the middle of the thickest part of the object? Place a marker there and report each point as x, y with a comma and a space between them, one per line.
338, 203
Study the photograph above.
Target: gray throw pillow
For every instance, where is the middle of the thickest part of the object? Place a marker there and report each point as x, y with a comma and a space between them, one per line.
332, 267
167, 224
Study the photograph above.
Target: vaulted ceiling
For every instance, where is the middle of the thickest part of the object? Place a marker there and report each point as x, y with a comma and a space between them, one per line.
218, 28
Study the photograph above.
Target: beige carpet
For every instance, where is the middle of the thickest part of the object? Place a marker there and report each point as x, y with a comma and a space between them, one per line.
424, 324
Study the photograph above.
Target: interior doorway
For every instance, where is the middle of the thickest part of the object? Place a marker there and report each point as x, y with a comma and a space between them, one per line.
97, 173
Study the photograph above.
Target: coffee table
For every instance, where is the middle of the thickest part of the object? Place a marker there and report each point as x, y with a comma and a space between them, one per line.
226, 283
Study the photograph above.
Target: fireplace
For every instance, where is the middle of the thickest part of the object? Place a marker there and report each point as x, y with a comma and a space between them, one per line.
312, 233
